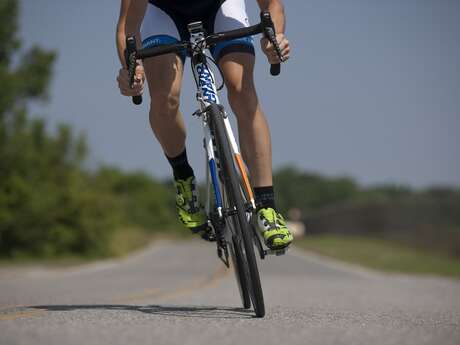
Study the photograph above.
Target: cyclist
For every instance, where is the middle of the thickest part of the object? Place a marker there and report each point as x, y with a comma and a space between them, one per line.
157, 22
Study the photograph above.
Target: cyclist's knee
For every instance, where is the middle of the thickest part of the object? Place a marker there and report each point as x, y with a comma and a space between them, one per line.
239, 80
242, 95
164, 104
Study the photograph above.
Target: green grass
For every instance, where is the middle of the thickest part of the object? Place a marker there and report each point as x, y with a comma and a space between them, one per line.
127, 240
123, 242
381, 254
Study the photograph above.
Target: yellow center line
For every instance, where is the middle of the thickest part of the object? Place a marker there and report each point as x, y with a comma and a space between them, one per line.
208, 282
196, 284
12, 306
21, 314
200, 283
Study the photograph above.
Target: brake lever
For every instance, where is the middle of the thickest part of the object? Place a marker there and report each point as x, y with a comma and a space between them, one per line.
269, 33
130, 58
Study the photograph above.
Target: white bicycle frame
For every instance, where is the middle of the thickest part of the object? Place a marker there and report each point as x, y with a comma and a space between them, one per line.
207, 95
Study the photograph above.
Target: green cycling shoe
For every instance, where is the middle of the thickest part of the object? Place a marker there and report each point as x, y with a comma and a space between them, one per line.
190, 211
273, 228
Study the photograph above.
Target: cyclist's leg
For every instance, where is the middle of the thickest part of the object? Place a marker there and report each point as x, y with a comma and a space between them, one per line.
236, 59
164, 77
255, 144
253, 128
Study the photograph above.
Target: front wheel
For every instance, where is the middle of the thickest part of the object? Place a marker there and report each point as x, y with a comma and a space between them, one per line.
242, 229
241, 275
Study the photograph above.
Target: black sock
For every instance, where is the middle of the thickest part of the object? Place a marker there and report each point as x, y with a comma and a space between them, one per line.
265, 197
181, 169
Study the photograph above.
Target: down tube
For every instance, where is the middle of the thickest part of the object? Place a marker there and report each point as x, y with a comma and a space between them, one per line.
212, 168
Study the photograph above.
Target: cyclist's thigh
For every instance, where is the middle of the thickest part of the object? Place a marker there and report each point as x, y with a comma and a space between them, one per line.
232, 15
238, 70
163, 73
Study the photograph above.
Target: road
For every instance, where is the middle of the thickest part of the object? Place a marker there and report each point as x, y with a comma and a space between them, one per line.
179, 293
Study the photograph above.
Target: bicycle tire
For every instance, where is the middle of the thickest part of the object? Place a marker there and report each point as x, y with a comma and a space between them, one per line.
236, 254
232, 186
240, 275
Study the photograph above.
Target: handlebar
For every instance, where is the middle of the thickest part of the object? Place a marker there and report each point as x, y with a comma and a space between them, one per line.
130, 58
269, 33
265, 26
161, 50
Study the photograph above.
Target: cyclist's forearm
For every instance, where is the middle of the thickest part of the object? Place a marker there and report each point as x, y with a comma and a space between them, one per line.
121, 45
134, 18
276, 9
121, 27
129, 22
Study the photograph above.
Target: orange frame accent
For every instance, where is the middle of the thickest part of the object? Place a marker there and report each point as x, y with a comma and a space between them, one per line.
244, 175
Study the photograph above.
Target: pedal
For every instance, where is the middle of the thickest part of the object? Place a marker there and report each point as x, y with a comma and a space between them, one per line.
222, 253
206, 234
276, 252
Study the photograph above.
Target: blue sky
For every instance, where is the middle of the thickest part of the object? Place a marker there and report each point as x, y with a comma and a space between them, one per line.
372, 89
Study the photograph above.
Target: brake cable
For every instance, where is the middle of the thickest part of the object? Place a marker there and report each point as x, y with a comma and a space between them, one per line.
198, 47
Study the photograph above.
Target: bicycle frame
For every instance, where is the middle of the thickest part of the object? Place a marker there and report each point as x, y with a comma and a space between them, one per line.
206, 95
228, 178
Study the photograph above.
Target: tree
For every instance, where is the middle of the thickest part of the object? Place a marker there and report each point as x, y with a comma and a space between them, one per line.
46, 205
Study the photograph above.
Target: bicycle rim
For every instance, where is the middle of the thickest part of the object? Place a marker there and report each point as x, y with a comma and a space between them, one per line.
243, 231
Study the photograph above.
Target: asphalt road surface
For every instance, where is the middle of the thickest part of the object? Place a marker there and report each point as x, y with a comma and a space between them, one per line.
179, 293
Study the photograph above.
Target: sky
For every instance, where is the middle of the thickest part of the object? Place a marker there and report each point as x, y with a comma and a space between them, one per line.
372, 89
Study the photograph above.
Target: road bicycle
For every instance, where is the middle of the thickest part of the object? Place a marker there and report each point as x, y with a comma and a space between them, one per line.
230, 204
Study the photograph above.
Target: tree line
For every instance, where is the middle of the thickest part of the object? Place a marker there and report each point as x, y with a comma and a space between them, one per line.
50, 205
428, 219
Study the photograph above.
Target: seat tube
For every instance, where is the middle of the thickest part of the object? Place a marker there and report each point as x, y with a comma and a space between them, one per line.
239, 163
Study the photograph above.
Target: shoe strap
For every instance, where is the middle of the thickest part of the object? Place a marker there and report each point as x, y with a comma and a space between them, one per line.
275, 224
192, 204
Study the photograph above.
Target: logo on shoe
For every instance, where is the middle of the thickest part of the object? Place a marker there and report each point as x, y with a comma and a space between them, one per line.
206, 83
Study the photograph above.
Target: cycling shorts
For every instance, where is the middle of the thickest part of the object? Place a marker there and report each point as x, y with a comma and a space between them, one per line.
166, 21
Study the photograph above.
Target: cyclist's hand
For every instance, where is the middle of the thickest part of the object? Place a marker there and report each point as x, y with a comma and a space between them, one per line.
138, 85
269, 49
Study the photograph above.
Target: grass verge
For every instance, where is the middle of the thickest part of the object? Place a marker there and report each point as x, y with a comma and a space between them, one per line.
127, 240
123, 242
381, 254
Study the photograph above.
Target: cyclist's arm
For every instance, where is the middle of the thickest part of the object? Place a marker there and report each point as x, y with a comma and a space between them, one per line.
135, 15
121, 27
276, 9
129, 23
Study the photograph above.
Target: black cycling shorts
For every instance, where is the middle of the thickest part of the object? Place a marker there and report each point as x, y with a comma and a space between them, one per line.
166, 21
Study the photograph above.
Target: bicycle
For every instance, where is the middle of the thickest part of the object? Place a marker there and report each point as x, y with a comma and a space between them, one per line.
230, 202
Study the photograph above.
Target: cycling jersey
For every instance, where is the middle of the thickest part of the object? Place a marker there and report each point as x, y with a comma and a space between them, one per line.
166, 21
